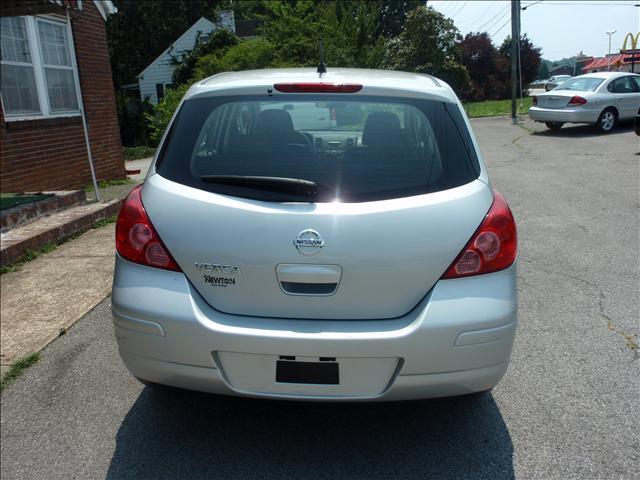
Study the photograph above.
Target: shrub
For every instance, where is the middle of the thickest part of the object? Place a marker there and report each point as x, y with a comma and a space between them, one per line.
220, 41
159, 118
246, 55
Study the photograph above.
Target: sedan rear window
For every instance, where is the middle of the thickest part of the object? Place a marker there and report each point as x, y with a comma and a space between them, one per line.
318, 148
588, 84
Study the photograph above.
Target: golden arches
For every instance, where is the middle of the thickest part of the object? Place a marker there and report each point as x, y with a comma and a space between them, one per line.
634, 41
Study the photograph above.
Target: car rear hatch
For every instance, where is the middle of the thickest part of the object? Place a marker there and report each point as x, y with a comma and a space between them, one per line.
368, 241
379, 259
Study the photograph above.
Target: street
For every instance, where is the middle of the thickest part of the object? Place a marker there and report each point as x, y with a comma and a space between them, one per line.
567, 407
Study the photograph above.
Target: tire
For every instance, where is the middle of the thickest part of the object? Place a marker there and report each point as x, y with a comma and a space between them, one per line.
554, 125
607, 120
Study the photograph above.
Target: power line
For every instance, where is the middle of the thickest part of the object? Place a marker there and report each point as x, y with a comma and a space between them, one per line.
496, 21
501, 13
530, 5
478, 17
503, 25
454, 6
452, 16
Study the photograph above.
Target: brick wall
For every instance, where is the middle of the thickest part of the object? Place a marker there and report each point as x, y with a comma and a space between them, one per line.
50, 154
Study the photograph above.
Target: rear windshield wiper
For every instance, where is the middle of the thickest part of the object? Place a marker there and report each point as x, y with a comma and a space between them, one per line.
295, 186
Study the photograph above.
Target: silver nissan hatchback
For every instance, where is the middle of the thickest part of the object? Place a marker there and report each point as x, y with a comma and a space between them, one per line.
322, 236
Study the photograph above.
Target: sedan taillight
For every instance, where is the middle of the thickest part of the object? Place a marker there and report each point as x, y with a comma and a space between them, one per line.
137, 240
492, 247
577, 100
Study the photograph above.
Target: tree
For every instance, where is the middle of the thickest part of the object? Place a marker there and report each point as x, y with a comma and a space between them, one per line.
429, 44
479, 56
297, 29
543, 70
393, 15
142, 30
529, 63
158, 118
246, 55
218, 43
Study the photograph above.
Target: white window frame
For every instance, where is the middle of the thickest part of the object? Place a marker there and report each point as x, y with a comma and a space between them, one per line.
31, 23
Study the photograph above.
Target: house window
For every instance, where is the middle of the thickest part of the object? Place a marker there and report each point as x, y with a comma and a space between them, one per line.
19, 92
38, 74
159, 91
58, 69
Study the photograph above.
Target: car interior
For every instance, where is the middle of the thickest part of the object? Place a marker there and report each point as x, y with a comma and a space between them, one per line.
383, 145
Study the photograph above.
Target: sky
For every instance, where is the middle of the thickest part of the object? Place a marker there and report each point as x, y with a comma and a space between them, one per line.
561, 27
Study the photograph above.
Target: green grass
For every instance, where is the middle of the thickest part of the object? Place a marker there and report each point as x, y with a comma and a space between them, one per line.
493, 108
49, 247
27, 257
9, 200
106, 221
109, 183
135, 153
18, 369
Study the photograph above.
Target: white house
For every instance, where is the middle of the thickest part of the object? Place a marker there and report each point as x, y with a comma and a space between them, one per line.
158, 75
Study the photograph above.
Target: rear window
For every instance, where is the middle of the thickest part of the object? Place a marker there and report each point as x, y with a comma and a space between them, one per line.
588, 84
357, 149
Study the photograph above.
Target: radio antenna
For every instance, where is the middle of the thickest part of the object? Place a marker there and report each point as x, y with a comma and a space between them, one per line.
322, 68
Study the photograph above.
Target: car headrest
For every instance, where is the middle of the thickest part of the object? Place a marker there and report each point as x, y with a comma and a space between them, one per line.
381, 128
274, 122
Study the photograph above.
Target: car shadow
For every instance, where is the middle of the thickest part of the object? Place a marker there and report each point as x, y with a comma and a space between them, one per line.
178, 434
583, 131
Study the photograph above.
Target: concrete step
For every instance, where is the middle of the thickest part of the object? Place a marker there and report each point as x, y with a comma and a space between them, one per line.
54, 228
26, 213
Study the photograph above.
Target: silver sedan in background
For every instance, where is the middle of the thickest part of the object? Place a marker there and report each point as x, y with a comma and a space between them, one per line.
553, 82
601, 99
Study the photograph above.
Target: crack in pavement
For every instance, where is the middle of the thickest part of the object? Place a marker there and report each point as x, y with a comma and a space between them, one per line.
630, 338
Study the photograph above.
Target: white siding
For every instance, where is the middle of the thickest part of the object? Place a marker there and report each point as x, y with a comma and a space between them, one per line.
160, 71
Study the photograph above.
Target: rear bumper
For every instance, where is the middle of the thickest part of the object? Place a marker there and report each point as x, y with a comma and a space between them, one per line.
458, 340
565, 115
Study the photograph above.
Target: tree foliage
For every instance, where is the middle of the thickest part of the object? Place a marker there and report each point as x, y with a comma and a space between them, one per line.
480, 56
353, 33
490, 67
428, 44
246, 55
529, 63
217, 43
159, 118
543, 71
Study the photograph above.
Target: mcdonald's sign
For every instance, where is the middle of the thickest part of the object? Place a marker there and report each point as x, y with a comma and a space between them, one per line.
635, 42
634, 51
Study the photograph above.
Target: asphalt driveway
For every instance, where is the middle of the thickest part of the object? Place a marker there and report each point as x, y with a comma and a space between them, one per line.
567, 408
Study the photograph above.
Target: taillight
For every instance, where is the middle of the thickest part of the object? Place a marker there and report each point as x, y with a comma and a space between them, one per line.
492, 247
534, 100
318, 87
136, 239
577, 100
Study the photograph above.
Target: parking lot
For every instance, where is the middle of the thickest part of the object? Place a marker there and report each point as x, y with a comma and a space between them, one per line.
567, 407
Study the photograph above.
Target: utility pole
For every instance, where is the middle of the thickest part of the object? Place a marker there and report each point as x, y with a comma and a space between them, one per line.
515, 37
